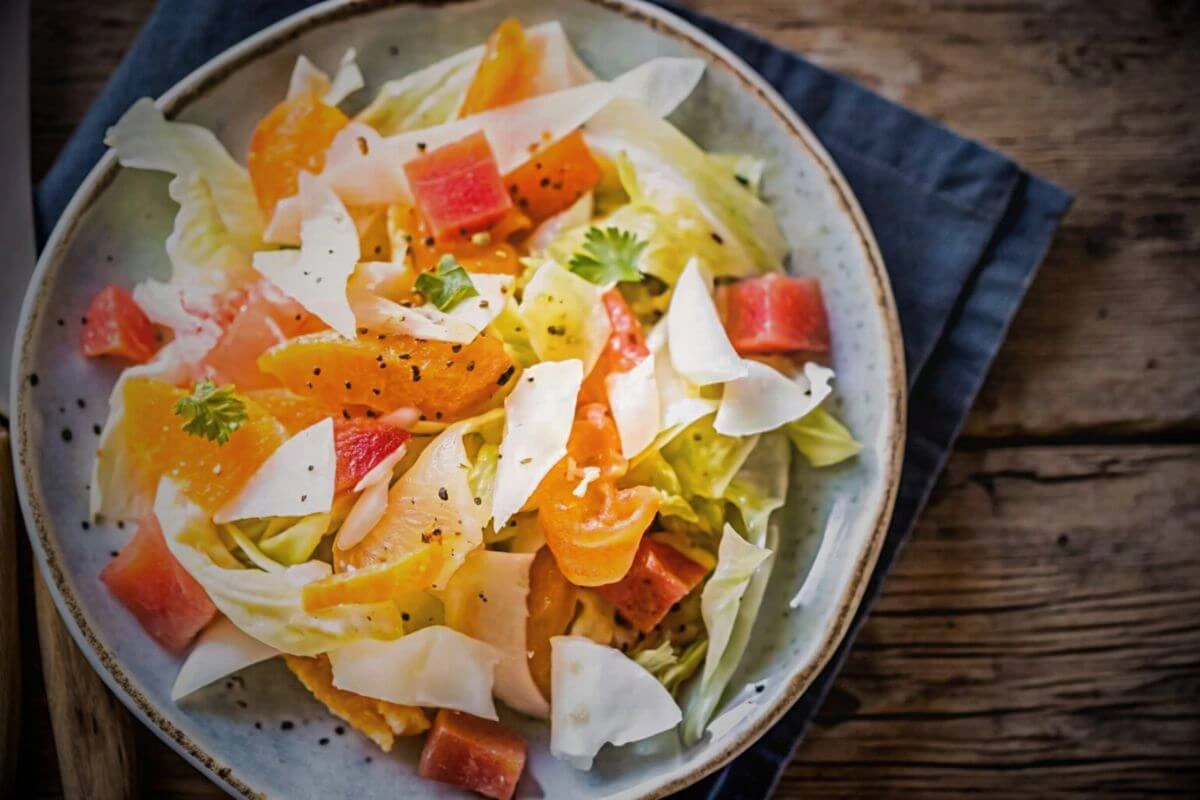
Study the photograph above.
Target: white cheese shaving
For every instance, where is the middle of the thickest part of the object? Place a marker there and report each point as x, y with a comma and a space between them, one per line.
221, 649
635, 403
765, 398
700, 348
296, 480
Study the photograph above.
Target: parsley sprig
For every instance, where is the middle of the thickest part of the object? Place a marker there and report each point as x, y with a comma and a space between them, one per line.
608, 256
446, 286
213, 412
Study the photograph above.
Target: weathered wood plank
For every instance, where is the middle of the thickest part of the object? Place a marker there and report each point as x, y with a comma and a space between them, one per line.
1043, 621
1100, 97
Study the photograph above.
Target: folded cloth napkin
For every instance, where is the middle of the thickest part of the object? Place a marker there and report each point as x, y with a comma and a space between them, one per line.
961, 228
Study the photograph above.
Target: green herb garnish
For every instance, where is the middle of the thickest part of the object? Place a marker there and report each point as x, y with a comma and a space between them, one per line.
446, 286
212, 411
608, 256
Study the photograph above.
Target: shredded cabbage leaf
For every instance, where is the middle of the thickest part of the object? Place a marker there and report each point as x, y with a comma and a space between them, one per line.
821, 439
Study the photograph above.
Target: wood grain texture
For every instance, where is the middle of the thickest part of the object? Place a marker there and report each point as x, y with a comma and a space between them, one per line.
93, 733
1038, 636
10, 628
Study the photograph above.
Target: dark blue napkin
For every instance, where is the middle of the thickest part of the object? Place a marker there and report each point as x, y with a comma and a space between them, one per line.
962, 230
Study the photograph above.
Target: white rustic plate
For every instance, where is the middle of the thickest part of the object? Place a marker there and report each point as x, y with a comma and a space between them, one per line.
113, 232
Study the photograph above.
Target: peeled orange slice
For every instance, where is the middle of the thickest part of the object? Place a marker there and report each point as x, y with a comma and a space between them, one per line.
293, 137
377, 584
210, 474
385, 372
294, 411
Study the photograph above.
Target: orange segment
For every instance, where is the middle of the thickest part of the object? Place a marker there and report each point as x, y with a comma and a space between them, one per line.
379, 720
551, 602
295, 412
553, 178
505, 74
415, 571
595, 537
208, 473
443, 380
293, 137
490, 254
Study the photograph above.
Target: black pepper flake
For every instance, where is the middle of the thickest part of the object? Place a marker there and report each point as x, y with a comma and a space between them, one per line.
483, 597
368, 760
113, 553
376, 392
323, 741
83, 320
96, 429
287, 725
383, 365
429, 241
416, 373
345, 414
339, 730
716, 237
242, 703
437, 415
81, 402
421, 146
405, 356
544, 182
506, 376
470, 366
442, 493
61, 322
311, 467
303, 498
404, 615
449, 363
33, 379
556, 330
316, 370
67, 435
362, 145
258, 726
372, 413
85, 525
347, 384
742, 180
455, 348
760, 689
478, 501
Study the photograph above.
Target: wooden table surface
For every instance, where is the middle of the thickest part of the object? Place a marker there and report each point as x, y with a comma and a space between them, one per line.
1041, 632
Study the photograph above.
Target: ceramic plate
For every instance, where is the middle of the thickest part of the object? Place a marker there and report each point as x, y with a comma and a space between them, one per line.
113, 232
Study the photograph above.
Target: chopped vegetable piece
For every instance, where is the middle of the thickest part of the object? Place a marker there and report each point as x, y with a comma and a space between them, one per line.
775, 314
660, 577
116, 326
168, 602
551, 600
291, 139
413, 572
488, 252
626, 347
472, 753
593, 537
378, 720
458, 186
443, 380
360, 445
608, 256
505, 74
447, 286
212, 412
554, 178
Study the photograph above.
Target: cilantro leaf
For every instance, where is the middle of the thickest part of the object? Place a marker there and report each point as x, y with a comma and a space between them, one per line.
213, 412
446, 286
608, 256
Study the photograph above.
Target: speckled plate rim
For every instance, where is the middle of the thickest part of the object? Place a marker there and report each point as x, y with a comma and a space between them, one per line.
221, 67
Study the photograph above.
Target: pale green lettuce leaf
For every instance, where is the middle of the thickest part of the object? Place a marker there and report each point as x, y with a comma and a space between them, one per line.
746, 169
760, 486
424, 98
670, 666
509, 328
564, 316
296, 543
704, 460
266, 605
729, 603
219, 224
670, 165
821, 439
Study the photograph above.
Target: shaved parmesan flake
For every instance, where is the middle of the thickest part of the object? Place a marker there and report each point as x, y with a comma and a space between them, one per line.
599, 696
661, 84
461, 324
766, 399
564, 316
511, 130
221, 649
537, 422
680, 401
309, 78
633, 397
316, 275
364, 515
486, 600
296, 480
700, 350
435, 666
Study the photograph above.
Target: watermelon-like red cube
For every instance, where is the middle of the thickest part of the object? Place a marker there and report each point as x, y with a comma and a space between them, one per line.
775, 314
660, 577
472, 753
360, 445
116, 326
458, 186
171, 606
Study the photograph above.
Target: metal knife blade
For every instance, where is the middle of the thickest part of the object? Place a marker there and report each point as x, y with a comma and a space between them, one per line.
17, 251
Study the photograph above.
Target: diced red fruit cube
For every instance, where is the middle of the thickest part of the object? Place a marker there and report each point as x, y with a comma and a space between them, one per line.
660, 577
116, 326
168, 602
360, 444
458, 186
473, 753
775, 314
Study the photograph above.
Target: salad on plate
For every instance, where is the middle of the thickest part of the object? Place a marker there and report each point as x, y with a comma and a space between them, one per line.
485, 392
